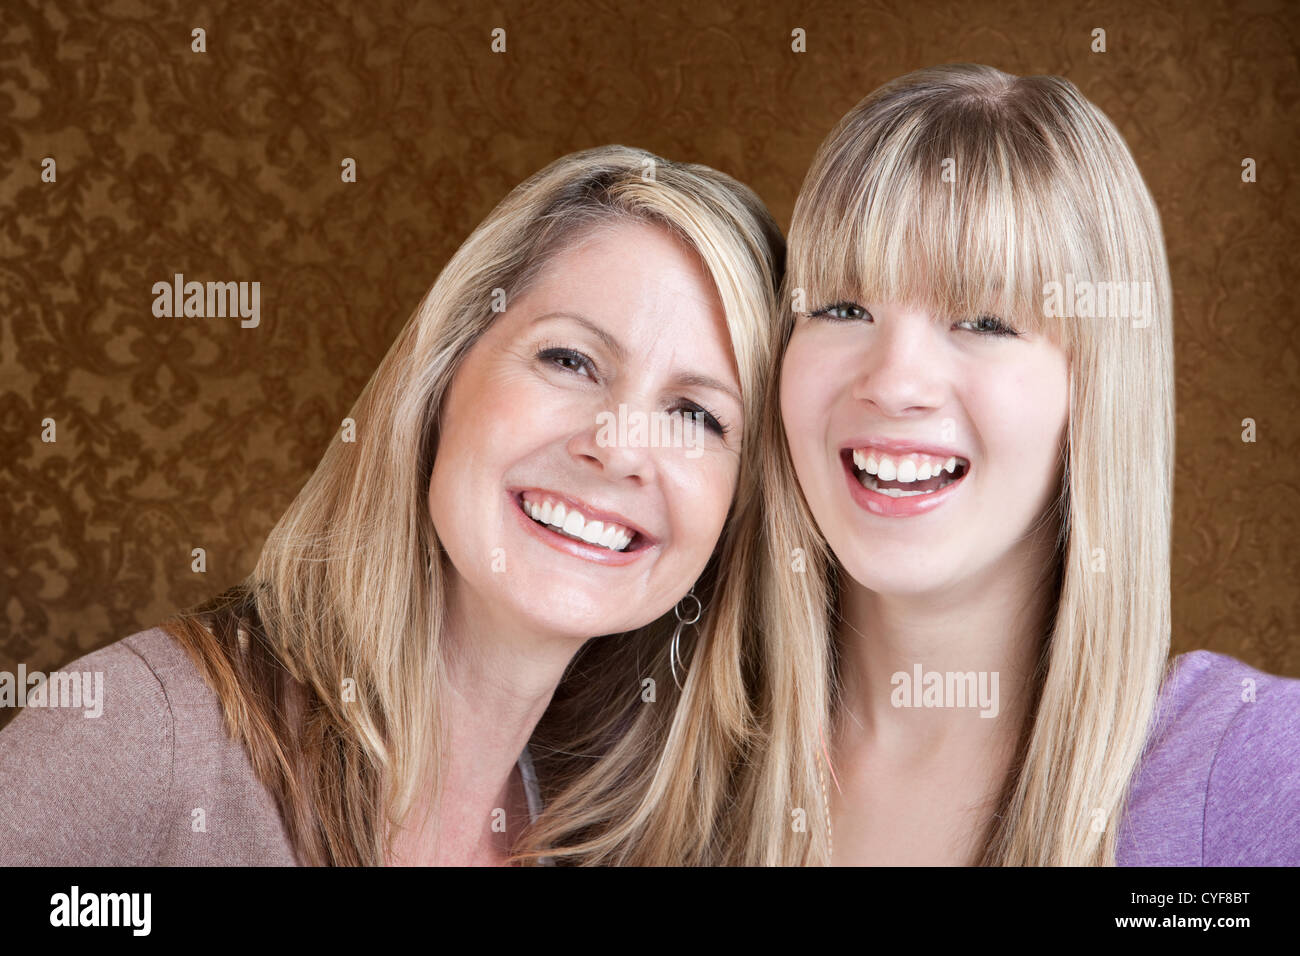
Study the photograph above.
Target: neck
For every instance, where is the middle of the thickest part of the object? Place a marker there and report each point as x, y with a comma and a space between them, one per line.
993, 626
500, 677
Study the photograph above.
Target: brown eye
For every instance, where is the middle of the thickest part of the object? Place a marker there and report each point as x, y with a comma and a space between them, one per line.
711, 421
567, 359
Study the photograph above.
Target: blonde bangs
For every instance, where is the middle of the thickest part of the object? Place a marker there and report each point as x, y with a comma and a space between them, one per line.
959, 206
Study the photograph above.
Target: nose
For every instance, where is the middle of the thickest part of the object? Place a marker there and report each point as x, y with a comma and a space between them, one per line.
902, 368
617, 445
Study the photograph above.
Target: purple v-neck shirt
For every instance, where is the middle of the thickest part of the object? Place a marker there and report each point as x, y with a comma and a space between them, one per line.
1219, 782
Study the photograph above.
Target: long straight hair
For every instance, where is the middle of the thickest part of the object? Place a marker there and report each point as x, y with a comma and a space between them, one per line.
966, 191
327, 658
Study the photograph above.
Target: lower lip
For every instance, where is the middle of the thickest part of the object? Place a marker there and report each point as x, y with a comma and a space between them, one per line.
567, 545
887, 507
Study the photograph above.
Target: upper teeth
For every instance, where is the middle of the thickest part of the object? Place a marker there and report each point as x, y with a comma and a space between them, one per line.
904, 468
574, 523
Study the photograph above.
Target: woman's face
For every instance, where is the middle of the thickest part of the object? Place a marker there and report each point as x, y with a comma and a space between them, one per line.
574, 489
957, 431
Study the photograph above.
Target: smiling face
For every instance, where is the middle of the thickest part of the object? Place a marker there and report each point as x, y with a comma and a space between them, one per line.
911, 393
552, 515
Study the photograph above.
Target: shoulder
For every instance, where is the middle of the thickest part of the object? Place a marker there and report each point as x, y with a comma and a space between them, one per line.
120, 692
1219, 782
88, 758
146, 774
1252, 812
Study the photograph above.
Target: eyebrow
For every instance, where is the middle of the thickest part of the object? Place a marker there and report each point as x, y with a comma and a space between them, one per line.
694, 379
704, 381
611, 343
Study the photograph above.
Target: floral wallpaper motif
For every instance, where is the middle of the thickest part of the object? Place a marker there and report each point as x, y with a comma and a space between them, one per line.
224, 165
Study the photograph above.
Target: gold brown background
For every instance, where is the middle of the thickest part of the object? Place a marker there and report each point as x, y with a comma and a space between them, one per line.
224, 166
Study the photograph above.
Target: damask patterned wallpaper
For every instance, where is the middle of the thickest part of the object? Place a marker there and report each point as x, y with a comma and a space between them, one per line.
224, 165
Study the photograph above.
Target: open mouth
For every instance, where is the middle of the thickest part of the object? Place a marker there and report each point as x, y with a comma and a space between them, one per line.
564, 519
904, 476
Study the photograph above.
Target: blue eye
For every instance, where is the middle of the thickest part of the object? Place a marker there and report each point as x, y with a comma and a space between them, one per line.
841, 312
987, 325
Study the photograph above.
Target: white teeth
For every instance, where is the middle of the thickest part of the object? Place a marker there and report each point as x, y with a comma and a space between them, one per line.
902, 468
869, 481
571, 522
873, 469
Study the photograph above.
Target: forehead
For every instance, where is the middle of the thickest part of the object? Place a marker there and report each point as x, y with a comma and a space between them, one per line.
635, 264
644, 286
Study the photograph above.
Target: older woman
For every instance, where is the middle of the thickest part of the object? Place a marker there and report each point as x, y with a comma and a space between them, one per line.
368, 694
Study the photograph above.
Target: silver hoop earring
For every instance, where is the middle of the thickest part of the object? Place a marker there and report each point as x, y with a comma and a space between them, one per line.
686, 614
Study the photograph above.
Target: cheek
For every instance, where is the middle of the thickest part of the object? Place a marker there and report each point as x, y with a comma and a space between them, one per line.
498, 418
506, 409
1045, 392
485, 421
1021, 418
801, 391
699, 496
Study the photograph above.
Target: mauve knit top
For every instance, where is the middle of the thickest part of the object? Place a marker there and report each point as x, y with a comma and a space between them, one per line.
122, 789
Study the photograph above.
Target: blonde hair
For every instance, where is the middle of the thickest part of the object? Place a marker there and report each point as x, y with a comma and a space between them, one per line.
347, 588
965, 190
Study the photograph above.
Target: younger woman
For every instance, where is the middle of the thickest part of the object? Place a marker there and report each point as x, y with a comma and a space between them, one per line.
974, 515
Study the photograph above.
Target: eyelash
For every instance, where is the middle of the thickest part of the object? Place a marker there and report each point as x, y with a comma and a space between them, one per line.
1000, 328
552, 353
825, 312
711, 421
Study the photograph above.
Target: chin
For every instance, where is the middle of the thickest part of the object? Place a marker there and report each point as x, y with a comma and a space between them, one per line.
571, 613
892, 575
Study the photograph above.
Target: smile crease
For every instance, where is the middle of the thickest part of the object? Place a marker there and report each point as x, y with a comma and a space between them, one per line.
572, 523
905, 476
